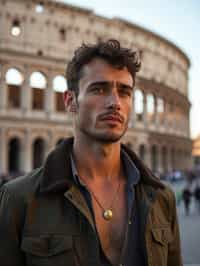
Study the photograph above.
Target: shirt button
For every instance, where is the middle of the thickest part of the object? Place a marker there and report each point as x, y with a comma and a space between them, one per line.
129, 222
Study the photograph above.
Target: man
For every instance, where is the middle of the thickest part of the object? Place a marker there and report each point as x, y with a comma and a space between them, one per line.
93, 202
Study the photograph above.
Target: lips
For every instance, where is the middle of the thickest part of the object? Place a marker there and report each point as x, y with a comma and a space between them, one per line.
113, 118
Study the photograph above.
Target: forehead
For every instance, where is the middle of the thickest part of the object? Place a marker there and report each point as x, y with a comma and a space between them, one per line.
100, 70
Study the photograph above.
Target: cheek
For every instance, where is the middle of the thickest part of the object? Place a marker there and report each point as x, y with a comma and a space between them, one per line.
87, 112
128, 108
89, 105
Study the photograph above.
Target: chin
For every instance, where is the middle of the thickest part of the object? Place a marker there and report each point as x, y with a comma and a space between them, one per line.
108, 137
104, 136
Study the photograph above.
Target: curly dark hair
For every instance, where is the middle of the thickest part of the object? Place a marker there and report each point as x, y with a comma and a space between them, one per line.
111, 51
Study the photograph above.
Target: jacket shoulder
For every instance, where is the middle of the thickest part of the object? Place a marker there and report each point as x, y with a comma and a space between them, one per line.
167, 191
25, 185
167, 200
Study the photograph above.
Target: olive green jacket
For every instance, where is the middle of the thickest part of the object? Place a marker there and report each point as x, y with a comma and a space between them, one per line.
44, 219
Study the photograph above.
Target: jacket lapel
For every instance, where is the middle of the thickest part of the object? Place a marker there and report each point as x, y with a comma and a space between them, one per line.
76, 198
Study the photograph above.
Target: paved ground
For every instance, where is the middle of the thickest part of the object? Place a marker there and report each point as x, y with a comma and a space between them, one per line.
190, 233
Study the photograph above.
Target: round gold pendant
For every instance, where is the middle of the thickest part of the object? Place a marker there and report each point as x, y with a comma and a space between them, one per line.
107, 214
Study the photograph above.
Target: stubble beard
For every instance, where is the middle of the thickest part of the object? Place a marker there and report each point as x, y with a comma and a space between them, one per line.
104, 138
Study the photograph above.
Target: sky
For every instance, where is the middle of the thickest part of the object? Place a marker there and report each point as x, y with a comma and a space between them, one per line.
178, 21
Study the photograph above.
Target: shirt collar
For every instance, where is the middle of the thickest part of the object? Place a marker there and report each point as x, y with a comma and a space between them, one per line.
76, 178
131, 170
133, 174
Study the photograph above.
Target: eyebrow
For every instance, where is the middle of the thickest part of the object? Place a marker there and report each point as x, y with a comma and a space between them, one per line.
110, 83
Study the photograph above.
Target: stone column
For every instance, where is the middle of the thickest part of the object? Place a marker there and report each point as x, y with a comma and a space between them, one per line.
162, 115
148, 156
159, 159
49, 96
3, 152
27, 152
133, 114
167, 159
26, 96
156, 118
3, 93
166, 114
188, 125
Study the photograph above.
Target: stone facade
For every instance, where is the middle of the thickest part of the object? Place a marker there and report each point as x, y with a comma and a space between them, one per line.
196, 152
37, 39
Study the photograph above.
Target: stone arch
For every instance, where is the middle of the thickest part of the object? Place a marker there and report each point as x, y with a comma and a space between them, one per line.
38, 150
14, 155
59, 86
38, 84
14, 80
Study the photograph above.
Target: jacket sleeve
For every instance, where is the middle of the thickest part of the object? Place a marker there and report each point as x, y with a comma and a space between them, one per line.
174, 252
10, 253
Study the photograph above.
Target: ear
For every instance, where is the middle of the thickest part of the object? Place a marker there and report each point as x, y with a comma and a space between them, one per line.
70, 101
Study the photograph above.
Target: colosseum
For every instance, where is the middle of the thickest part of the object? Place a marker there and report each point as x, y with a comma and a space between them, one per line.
37, 39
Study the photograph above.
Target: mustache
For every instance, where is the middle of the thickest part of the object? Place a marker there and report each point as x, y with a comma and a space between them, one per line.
112, 113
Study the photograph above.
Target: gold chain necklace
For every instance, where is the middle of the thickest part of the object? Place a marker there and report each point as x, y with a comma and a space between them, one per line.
107, 213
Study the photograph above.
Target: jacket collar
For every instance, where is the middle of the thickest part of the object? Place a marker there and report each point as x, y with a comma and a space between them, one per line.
57, 172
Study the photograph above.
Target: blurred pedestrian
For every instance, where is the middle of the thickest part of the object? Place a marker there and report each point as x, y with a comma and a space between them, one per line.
187, 199
197, 197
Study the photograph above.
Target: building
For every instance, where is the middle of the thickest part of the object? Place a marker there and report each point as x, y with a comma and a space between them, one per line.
37, 39
196, 152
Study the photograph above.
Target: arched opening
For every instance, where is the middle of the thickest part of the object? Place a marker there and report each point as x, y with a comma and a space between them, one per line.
38, 152
14, 80
16, 28
150, 107
154, 158
63, 34
14, 156
139, 104
39, 8
164, 159
59, 86
38, 85
142, 152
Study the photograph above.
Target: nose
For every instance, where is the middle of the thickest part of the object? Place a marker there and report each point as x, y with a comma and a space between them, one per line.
113, 100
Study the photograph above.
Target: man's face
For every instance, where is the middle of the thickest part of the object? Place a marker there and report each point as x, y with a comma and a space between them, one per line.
104, 101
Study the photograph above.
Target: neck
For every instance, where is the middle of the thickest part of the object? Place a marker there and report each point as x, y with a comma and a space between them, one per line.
97, 161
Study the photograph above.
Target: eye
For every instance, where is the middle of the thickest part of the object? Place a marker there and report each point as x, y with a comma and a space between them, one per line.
125, 92
98, 90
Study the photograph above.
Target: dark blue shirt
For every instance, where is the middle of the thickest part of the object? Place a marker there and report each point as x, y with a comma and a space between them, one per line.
131, 250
